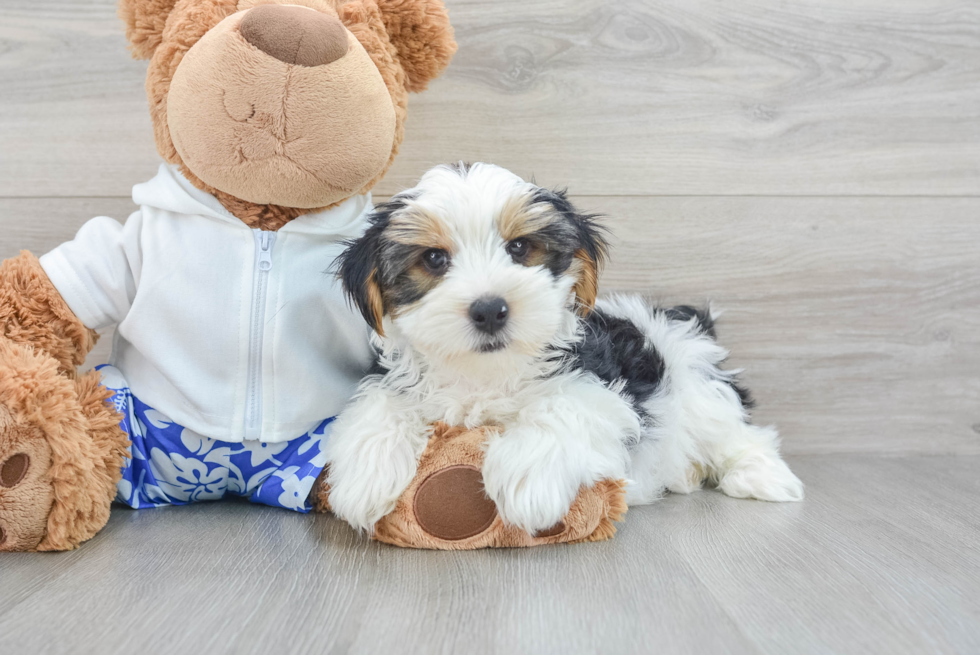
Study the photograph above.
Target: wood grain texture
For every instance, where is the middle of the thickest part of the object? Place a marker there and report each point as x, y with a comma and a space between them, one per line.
871, 562
614, 98
857, 319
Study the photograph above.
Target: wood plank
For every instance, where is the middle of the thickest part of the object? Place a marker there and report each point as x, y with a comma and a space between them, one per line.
857, 319
856, 568
310, 585
849, 570
613, 98
75, 120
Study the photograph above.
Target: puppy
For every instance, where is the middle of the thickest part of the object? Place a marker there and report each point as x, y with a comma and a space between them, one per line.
481, 288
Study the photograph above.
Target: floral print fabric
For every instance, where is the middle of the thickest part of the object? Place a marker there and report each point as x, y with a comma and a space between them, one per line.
172, 465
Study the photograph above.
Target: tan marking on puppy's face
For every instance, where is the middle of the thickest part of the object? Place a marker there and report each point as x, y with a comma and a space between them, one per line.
411, 234
417, 281
415, 226
519, 217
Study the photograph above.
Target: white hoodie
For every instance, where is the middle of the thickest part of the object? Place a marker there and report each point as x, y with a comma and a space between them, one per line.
234, 333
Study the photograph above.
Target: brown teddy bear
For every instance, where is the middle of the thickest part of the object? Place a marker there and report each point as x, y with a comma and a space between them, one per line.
232, 350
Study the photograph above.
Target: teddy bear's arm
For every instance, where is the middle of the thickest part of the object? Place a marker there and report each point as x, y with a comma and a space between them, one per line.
54, 304
33, 313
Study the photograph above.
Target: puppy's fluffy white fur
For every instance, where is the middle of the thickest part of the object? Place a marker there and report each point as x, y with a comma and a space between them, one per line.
557, 424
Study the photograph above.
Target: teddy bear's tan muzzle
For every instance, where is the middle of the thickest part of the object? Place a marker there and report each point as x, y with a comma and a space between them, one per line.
281, 105
295, 35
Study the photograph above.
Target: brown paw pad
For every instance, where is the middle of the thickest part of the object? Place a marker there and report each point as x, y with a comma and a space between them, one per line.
26, 493
553, 531
451, 504
14, 470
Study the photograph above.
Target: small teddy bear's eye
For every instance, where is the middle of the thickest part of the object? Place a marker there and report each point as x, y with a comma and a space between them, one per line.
518, 249
436, 260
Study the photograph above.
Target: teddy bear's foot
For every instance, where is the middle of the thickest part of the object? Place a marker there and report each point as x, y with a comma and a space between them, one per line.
61, 452
26, 492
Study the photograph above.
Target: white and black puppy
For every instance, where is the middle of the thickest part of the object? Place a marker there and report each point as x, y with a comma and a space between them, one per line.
481, 288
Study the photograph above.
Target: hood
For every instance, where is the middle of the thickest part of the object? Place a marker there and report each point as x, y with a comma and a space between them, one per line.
170, 191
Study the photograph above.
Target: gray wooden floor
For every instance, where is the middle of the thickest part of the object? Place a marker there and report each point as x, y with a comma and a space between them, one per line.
881, 558
810, 166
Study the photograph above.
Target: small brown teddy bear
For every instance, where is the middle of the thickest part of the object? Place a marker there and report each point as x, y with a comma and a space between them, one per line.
232, 351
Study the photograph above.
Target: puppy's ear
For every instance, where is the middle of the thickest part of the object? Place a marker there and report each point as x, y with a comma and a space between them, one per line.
422, 35
591, 250
357, 268
145, 20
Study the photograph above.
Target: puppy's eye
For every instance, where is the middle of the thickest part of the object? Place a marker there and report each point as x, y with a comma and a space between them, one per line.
435, 260
518, 249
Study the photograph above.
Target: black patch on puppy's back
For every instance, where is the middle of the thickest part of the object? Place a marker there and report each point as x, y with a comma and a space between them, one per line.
614, 348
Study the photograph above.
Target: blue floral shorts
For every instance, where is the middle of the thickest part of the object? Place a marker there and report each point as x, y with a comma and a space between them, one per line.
172, 465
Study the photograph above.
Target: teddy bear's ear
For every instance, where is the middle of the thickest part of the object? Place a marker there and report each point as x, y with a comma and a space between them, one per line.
420, 31
144, 24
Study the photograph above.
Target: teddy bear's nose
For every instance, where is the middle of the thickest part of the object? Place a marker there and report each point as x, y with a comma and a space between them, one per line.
295, 35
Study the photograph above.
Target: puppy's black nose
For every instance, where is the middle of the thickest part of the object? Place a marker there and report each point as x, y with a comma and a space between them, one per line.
489, 315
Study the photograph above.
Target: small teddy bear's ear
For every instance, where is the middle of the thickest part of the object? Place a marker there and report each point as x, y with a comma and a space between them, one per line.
420, 31
144, 24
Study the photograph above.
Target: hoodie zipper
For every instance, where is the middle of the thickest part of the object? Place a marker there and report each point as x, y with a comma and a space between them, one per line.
264, 242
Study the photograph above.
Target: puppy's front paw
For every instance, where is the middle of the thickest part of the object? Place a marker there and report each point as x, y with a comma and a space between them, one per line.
362, 500
532, 495
367, 476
